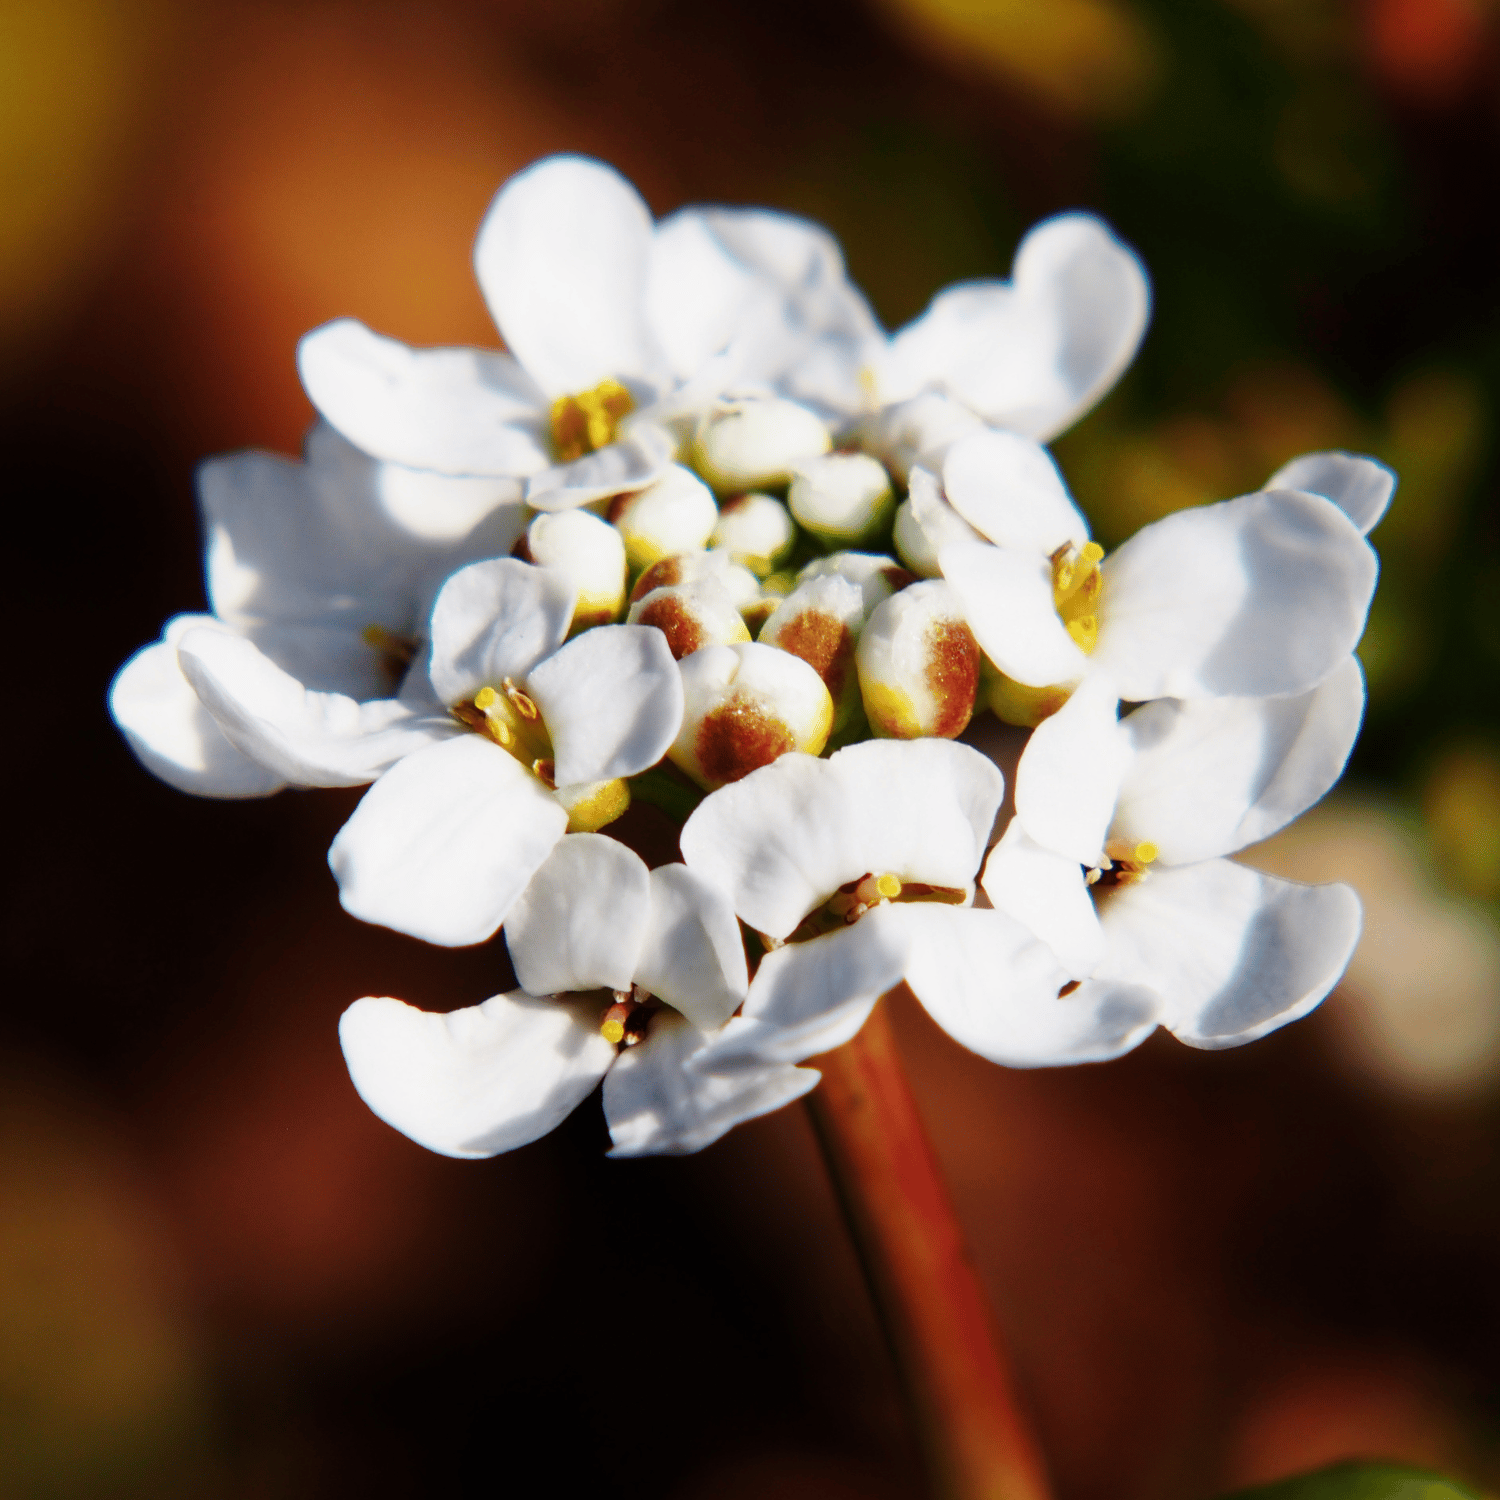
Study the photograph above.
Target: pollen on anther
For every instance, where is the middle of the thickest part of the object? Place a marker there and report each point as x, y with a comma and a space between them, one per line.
1146, 852
613, 1032
485, 699
889, 886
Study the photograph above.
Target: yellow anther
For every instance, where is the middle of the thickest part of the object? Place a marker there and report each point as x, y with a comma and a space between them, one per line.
485, 699
1145, 852
588, 421
613, 1032
1076, 587
888, 886
1085, 632
522, 704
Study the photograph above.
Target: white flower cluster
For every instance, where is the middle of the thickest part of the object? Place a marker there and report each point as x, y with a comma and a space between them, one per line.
707, 537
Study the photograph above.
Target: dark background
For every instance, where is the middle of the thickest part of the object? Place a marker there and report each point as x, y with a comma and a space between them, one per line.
220, 1276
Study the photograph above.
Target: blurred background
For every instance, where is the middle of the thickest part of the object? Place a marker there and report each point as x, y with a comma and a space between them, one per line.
221, 1276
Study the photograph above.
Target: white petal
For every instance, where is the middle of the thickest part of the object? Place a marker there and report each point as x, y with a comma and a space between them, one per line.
993, 987
580, 923
1360, 486
1034, 355
612, 702
655, 1105
478, 1081
1007, 599
1007, 487
1046, 892
1264, 595
779, 842
1232, 952
639, 457
925, 807
698, 291
1070, 773
460, 411
307, 738
918, 431
693, 956
172, 734
811, 997
1210, 776
443, 844
562, 259
494, 620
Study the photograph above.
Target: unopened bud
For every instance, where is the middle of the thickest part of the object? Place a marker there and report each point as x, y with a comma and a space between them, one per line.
691, 616
842, 498
820, 621
919, 431
877, 576
754, 444
928, 525
590, 554
913, 546
744, 706
687, 567
676, 514
918, 664
757, 531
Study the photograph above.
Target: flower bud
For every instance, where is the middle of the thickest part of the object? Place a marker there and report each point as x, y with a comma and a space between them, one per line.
913, 545
820, 621
691, 616
754, 444
919, 431
676, 514
877, 576
926, 523
687, 567
757, 531
744, 706
842, 498
590, 553
918, 664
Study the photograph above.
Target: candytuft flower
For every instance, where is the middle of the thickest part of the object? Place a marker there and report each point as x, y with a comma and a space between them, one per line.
444, 843
615, 327
1115, 855
321, 575
626, 973
1259, 596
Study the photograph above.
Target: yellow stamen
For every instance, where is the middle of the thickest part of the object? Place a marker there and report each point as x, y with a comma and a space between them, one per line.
1145, 853
888, 886
588, 421
1076, 587
613, 1032
485, 699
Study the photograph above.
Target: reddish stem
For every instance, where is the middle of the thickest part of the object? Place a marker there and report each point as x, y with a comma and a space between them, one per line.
942, 1333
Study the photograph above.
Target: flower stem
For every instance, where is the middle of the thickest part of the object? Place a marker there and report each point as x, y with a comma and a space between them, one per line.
941, 1330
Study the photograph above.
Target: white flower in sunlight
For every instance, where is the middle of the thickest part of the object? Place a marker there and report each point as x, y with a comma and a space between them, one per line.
1114, 857
445, 842
615, 326
626, 974
1260, 596
321, 575
857, 872
1032, 354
